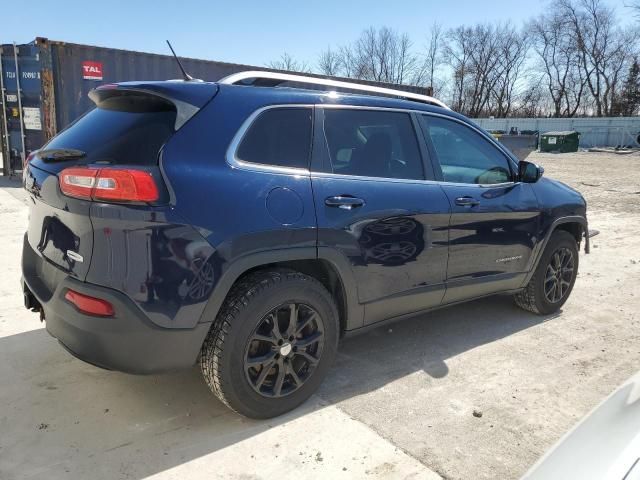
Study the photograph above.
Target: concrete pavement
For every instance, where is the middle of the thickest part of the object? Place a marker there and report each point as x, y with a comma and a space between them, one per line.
61, 418
399, 403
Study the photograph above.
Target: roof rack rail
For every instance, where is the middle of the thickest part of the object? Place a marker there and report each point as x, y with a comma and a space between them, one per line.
273, 79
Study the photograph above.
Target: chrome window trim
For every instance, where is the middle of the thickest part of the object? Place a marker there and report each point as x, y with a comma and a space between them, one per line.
235, 162
482, 133
419, 112
364, 177
369, 179
492, 141
408, 180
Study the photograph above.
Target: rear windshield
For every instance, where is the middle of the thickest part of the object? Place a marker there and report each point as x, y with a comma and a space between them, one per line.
126, 131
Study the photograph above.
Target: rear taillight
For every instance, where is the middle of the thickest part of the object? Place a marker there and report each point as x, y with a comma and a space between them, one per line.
108, 184
78, 182
90, 305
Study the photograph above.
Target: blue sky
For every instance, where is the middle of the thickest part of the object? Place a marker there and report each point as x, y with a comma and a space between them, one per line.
251, 32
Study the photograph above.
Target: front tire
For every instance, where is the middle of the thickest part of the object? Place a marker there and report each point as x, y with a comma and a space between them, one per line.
555, 275
271, 344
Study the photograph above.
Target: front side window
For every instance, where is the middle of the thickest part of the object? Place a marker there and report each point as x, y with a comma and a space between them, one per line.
372, 143
278, 136
464, 155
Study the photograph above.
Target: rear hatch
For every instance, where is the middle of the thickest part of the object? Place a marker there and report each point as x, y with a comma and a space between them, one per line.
123, 135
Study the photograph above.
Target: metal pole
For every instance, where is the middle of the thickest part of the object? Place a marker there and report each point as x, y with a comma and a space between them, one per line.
5, 130
24, 150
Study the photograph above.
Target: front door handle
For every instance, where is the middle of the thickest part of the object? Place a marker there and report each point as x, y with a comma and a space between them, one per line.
345, 202
467, 202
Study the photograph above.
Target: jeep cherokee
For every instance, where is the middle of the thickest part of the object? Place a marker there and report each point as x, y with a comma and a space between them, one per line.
245, 227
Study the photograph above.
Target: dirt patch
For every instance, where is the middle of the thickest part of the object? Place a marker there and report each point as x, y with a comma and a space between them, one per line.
531, 377
609, 182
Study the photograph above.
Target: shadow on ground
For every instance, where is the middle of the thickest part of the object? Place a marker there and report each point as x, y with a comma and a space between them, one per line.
10, 182
57, 413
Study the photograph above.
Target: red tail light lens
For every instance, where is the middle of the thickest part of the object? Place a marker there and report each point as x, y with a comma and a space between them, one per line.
77, 182
108, 184
90, 305
125, 185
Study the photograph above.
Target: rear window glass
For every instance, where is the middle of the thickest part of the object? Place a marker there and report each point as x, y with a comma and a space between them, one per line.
372, 143
279, 137
120, 132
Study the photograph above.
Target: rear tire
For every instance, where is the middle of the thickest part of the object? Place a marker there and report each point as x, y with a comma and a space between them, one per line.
554, 277
271, 344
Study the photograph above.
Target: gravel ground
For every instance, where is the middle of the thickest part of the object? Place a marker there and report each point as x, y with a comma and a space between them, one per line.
610, 182
480, 390
532, 378
61, 418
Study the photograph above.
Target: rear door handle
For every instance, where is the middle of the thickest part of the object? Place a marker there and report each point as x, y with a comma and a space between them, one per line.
467, 202
345, 202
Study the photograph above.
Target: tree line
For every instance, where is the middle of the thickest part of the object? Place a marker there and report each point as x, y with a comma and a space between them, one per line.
576, 59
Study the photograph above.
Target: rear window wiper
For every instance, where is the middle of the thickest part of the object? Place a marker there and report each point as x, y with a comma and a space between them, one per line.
61, 154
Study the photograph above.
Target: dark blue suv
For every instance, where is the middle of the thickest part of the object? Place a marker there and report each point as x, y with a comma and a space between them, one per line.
247, 227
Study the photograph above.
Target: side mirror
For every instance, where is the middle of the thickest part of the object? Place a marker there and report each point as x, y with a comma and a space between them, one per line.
529, 172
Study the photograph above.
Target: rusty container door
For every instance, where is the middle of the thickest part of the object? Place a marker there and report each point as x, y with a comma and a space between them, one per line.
22, 103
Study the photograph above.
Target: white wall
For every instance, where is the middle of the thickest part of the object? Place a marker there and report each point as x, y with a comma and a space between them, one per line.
594, 132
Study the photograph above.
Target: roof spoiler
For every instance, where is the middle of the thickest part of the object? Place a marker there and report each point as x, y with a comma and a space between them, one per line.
186, 101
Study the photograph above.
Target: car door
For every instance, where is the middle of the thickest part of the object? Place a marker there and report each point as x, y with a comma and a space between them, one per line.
375, 208
494, 217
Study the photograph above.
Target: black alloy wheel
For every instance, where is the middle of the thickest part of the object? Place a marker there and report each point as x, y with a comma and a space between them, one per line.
284, 349
554, 276
272, 343
559, 275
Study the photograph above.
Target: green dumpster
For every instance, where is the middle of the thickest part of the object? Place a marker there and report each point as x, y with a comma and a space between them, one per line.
561, 142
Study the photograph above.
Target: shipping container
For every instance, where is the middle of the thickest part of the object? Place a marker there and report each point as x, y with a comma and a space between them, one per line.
45, 85
21, 102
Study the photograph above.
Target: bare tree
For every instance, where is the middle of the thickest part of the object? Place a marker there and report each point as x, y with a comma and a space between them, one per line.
287, 62
532, 101
604, 49
627, 102
473, 53
558, 60
433, 58
512, 53
457, 54
379, 54
635, 7
580, 62
384, 55
351, 64
330, 62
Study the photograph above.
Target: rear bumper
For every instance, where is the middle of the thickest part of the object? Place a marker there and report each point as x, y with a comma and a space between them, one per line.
128, 342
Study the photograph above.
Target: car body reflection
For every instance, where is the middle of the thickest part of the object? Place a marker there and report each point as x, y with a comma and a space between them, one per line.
392, 241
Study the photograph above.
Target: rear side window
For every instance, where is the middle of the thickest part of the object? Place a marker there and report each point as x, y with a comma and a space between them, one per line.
464, 155
372, 143
122, 130
279, 136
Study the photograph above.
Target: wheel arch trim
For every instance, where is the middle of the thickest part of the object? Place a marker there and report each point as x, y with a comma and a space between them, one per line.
552, 228
354, 311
